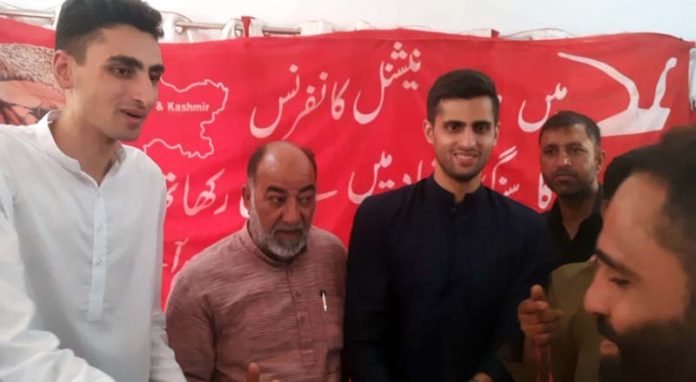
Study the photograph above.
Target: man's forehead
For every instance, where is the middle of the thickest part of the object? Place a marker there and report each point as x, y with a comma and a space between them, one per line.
299, 187
285, 179
127, 41
288, 175
630, 219
465, 109
639, 196
483, 103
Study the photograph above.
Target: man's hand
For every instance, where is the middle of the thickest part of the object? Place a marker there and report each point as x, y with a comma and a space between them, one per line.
537, 318
254, 373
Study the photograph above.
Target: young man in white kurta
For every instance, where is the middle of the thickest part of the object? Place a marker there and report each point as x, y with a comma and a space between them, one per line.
81, 215
80, 265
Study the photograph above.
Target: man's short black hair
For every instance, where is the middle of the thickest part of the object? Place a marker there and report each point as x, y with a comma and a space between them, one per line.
462, 84
80, 21
566, 118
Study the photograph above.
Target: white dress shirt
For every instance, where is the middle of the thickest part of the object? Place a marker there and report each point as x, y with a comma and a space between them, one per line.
80, 265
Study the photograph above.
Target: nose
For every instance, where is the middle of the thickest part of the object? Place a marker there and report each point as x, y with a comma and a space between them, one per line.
291, 213
144, 91
563, 159
597, 299
467, 138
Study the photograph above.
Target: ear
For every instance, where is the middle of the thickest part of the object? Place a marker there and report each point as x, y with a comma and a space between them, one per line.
63, 65
600, 159
428, 131
246, 196
496, 133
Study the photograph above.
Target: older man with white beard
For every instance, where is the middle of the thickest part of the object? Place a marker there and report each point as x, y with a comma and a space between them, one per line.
270, 294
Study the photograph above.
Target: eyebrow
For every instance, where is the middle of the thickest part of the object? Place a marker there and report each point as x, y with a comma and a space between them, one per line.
454, 122
276, 189
460, 122
574, 144
135, 63
614, 264
272, 188
566, 145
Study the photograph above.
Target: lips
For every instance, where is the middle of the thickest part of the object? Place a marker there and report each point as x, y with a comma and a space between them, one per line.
134, 115
564, 175
288, 231
466, 158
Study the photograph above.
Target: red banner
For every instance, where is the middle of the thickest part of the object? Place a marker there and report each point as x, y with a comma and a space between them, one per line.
358, 100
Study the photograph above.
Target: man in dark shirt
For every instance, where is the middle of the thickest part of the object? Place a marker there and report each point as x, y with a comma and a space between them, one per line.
571, 158
436, 269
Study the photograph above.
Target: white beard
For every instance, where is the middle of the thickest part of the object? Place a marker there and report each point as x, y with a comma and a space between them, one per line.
266, 241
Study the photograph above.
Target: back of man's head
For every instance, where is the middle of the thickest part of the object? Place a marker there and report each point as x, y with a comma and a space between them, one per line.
80, 21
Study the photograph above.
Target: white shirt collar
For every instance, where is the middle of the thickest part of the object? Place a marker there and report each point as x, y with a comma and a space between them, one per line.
48, 144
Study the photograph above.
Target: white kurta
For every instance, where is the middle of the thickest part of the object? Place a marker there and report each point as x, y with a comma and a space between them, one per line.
80, 265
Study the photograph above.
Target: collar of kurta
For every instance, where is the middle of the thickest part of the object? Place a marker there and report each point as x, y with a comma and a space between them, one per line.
48, 144
447, 198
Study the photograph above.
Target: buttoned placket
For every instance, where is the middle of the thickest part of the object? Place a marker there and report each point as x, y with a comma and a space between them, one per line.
100, 246
307, 352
